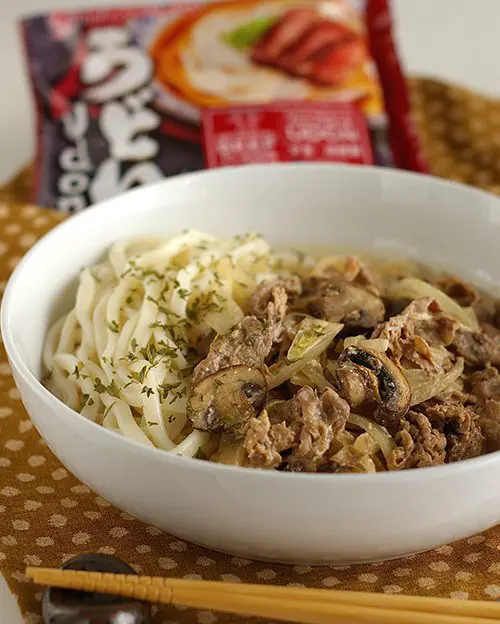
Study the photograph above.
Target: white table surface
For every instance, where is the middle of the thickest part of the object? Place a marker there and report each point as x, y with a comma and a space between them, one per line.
456, 40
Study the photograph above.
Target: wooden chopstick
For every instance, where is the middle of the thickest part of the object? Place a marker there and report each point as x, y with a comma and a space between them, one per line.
311, 606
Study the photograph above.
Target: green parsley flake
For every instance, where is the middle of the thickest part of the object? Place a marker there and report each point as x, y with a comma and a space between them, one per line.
83, 401
108, 409
113, 389
113, 326
99, 386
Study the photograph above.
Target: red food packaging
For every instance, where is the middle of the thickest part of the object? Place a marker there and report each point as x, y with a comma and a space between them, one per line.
125, 97
286, 132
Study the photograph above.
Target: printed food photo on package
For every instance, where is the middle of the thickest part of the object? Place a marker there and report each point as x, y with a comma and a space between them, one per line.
127, 96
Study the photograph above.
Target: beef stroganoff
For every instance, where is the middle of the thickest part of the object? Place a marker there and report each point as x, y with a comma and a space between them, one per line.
231, 351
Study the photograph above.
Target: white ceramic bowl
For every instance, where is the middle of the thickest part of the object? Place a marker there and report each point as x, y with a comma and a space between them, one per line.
267, 515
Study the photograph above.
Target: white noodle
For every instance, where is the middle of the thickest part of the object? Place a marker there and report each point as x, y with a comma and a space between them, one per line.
122, 355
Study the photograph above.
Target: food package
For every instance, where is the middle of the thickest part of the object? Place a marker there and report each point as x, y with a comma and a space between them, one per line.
125, 97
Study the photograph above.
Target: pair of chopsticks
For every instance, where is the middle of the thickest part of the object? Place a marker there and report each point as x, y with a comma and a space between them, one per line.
289, 604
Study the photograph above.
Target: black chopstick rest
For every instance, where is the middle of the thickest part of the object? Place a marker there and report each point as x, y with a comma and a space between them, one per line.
65, 606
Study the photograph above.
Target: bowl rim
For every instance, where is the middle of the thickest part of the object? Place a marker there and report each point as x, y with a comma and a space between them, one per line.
476, 463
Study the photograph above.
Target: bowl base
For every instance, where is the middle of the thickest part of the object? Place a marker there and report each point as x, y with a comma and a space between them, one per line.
307, 562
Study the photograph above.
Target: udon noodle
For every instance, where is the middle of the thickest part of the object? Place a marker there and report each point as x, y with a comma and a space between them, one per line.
123, 355
225, 349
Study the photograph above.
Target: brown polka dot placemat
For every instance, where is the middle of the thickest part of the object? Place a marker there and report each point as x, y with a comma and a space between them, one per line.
459, 131
47, 516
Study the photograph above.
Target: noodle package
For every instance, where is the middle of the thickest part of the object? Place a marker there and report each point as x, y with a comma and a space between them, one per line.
125, 97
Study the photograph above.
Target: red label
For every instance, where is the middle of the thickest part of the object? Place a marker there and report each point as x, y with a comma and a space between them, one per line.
286, 132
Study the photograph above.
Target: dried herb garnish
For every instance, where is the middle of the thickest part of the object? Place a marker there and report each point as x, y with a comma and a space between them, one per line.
147, 391
113, 389
113, 326
83, 401
108, 409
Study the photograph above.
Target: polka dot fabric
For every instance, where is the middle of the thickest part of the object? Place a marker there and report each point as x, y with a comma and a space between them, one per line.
459, 132
47, 516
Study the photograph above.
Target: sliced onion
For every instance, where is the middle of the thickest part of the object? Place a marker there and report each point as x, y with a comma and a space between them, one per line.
413, 288
226, 319
310, 333
376, 344
283, 370
311, 375
231, 451
364, 463
379, 434
439, 354
365, 444
379, 464
192, 444
336, 262
423, 386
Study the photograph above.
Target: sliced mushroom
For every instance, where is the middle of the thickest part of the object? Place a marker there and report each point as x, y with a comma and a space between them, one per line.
363, 375
338, 301
227, 399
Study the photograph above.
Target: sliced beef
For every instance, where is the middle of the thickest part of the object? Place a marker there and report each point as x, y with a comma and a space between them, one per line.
313, 422
321, 420
335, 411
423, 325
287, 411
485, 309
315, 433
264, 294
485, 387
329, 404
411, 334
287, 31
456, 394
249, 342
489, 420
464, 438
485, 384
333, 66
418, 444
462, 292
478, 348
246, 344
339, 301
323, 35
306, 44
265, 441
436, 435
276, 311
354, 272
